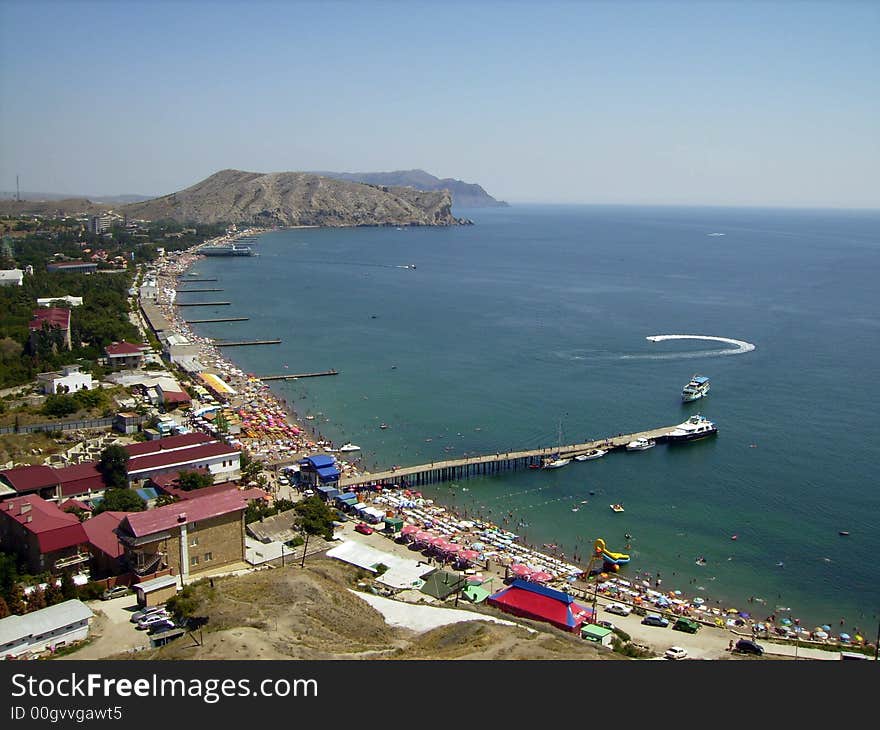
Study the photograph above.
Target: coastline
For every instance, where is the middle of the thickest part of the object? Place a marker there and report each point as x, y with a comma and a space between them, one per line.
642, 585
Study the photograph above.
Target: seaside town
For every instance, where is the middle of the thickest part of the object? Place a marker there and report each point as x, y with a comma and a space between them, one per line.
221, 467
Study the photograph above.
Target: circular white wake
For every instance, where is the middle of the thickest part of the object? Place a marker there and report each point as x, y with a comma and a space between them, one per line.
741, 345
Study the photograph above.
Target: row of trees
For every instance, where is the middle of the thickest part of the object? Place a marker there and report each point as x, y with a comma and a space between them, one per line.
14, 601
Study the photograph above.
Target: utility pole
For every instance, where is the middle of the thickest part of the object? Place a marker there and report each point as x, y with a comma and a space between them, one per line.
305, 549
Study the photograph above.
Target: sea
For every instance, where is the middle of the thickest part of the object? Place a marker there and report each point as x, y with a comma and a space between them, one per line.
529, 329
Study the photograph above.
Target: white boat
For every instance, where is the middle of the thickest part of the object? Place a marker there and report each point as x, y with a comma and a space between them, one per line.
556, 463
697, 388
592, 454
641, 444
696, 427
349, 447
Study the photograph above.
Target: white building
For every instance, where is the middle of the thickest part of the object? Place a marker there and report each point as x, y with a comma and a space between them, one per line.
11, 277
69, 380
48, 628
60, 301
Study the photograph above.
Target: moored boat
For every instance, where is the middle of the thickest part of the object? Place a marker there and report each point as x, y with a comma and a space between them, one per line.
641, 444
349, 447
555, 463
696, 427
591, 454
617, 507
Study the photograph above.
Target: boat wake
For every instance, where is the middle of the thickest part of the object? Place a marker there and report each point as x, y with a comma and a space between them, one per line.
741, 347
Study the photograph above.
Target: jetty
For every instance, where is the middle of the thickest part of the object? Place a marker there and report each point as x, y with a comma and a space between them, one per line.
201, 304
193, 291
243, 343
489, 464
186, 279
217, 319
298, 375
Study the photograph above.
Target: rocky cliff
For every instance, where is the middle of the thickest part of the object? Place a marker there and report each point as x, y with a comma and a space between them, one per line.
297, 199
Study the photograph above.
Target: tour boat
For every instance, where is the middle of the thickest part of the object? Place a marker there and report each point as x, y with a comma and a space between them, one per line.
641, 444
556, 463
349, 447
696, 427
617, 508
695, 389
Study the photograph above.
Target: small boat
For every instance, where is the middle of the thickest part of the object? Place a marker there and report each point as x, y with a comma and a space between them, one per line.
641, 444
617, 508
591, 454
349, 447
383, 425
556, 463
697, 388
696, 427
843, 533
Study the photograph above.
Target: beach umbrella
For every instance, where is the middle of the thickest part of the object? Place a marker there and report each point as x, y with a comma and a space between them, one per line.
409, 529
821, 634
677, 593
438, 542
826, 627
731, 610
424, 536
540, 576
452, 548
468, 555
478, 546
520, 569
785, 621
699, 601
744, 614
858, 638
845, 637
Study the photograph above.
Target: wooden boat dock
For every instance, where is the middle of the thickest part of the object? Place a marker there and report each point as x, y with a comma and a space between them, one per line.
217, 319
244, 343
298, 375
194, 291
186, 280
489, 464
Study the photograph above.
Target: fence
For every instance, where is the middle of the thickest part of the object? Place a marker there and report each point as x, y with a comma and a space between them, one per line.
58, 426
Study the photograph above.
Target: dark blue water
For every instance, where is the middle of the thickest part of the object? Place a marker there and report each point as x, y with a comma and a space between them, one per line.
536, 318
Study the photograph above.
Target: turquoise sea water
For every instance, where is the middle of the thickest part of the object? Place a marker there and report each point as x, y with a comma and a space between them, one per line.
537, 316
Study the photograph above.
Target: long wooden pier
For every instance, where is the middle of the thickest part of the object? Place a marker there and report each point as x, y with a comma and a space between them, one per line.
243, 343
489, 464
194, 291
200, 304
298, 375
217, 319
186, 279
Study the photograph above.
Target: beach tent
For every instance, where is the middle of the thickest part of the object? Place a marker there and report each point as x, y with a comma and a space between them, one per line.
530, 600
441, 584
394, 524
475, 593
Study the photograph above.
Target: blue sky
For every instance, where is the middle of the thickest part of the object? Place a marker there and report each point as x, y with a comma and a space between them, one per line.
706, 103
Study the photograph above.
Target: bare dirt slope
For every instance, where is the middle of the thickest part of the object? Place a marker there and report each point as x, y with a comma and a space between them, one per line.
291, 613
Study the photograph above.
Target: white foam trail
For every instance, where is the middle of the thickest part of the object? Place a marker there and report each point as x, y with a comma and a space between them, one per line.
741, 345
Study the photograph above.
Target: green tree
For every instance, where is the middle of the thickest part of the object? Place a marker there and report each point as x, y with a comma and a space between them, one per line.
68, 587
315, 517
120, 500
4, 609
164, 499
113, 465
189, 480
59, 405
16, 600
36, 600
53, 593
184, 604
8, 574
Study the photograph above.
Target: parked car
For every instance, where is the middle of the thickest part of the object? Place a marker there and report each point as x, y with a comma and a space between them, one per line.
747, 646
115, 592
676, 652
149, 611
363, 528
655, 619
606, 625
620, 609
686, 624
162, 625
147, 622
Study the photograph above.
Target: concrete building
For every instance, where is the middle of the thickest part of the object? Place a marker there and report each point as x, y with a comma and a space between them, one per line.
104, 546
46, 538
76, 267
11, 277
46, 629
69, 380
51, 318
66, 300
185, 452
124, 355
201, 534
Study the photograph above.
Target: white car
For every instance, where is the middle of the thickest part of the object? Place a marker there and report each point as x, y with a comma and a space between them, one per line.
676, 652
155, 618
620, 609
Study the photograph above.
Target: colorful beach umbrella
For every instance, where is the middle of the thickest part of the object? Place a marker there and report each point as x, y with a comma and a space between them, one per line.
540, 576
520, 569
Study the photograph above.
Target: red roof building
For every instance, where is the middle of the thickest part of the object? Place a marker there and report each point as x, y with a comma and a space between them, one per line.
80, 480
220, 459
124, 354
53, 318
181, 441
29, 480
104, 544
43, 535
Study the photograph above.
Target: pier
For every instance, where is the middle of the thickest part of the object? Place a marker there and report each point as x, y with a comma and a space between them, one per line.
217, 319
490, 464
298, 375
188, 291
185, 279
243, 343
201, 304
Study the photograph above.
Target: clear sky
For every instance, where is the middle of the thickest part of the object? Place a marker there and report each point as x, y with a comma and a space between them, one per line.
742, 103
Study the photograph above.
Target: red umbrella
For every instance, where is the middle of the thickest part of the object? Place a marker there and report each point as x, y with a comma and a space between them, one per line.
410, 529
451, 548
540, 576
438, 542
520, 569
424, 536
468, 555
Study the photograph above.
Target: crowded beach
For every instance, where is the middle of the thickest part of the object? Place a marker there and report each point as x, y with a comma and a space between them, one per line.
267, 430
